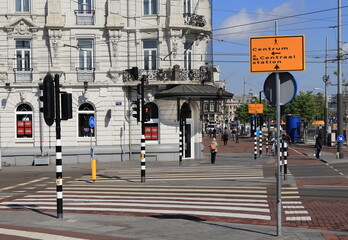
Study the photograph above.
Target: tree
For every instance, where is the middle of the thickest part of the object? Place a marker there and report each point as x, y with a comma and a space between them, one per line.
304, 106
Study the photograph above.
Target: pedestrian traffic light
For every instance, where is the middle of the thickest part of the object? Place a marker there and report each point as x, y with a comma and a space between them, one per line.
66, 102
47, 99
133, 72
136, 109
183, 119
147, 115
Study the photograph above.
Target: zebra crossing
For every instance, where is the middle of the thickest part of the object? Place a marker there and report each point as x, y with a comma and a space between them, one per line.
120, 192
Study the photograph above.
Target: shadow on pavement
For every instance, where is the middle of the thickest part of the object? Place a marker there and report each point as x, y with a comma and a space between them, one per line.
198, 219
30, 207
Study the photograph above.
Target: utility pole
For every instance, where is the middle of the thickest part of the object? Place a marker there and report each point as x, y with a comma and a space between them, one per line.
326, 109
339, 86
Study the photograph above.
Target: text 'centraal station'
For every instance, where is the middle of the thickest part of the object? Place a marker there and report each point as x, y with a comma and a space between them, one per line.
277, 54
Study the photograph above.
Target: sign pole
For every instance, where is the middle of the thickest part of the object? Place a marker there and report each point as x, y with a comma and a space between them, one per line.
59, 174
279, 199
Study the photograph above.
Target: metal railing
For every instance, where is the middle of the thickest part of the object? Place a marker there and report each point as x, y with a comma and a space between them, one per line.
194, 20
84, 17
172, 74
23, 75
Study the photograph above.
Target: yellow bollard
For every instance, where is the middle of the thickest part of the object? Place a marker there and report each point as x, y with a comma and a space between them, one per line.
94, 170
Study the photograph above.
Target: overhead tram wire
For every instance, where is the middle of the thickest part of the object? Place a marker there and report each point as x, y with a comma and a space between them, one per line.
275, 19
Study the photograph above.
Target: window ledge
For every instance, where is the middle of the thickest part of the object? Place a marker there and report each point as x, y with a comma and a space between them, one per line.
86, 139
24, 140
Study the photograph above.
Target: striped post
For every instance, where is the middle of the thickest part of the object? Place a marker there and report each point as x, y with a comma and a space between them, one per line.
281, 153
285, 159
142, 149
180, 143
142, 157
59, 175
260, 143
267, 145
255, 145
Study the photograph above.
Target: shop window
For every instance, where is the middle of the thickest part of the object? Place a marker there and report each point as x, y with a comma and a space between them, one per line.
86, 110
151, 127
24, 118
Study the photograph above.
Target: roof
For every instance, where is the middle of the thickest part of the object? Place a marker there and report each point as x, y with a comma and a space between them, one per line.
193, 92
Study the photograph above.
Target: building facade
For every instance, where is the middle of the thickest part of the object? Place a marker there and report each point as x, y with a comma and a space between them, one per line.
90, 44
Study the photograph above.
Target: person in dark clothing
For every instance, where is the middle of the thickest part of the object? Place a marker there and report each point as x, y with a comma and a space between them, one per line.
318, 145
224, 138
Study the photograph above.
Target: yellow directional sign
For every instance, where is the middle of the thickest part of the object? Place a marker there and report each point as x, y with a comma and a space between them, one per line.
277, 53
255, 108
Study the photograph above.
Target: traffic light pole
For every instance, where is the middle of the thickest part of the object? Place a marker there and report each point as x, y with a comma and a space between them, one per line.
142, 152
59, 179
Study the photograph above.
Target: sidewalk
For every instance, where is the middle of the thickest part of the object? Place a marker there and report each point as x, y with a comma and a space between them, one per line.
157, 227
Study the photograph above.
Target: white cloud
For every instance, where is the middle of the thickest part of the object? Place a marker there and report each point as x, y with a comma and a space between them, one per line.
345, 47
237, 27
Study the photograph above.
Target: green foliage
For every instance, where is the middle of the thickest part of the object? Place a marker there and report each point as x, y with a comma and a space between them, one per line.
304, 106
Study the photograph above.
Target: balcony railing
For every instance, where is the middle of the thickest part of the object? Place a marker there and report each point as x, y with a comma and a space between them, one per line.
84, 17
173, 74
23, 75
85, 75
194, 20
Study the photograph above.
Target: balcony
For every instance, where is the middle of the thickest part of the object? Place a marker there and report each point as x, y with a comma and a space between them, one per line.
195, 20
84, 17
23, 75
85, 75
203, 74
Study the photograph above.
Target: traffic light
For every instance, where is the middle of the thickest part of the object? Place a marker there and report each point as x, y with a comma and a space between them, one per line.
66, 101
147, 115
136, 109
134, 73
183, 118
47, 98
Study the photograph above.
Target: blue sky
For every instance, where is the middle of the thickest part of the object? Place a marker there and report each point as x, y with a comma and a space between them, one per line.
231, 46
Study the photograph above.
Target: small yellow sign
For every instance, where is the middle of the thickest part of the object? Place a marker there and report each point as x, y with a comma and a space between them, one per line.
59, 181
277, 53
255, 108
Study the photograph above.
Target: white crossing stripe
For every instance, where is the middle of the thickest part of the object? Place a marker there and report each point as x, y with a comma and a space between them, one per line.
34, 235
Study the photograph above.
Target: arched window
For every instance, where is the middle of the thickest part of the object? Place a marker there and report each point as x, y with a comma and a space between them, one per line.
85, 112
151, 127
24, 118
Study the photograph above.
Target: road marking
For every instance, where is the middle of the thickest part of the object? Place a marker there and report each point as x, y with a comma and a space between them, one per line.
152, 211
293, 207
296, 212
264, 210
23, 184
161, 193
35, 235
155, 197
298, 219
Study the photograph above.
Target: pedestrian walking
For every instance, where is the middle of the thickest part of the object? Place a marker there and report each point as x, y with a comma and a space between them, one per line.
213, 150
318, 145
224, 138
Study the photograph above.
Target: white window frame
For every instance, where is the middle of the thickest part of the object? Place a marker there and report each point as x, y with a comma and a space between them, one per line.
212, 106
150, 55
150, 7
27, 119
23, 63
85, 112
85, 54
85, 6
188, 55
22, 5
187, 6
